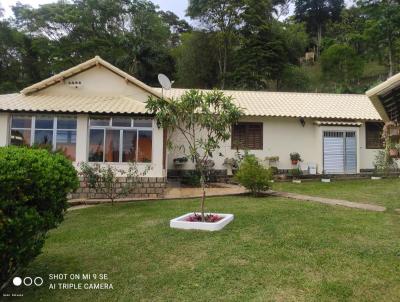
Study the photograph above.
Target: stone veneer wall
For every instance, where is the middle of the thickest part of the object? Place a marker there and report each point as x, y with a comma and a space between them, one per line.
148, 187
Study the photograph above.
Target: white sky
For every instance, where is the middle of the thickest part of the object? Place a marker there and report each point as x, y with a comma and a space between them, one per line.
176, 6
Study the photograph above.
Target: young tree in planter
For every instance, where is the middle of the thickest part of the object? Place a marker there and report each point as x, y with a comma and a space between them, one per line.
203, 119
106, 179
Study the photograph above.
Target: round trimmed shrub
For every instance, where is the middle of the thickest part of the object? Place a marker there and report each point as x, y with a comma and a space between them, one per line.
253, 175
34, 184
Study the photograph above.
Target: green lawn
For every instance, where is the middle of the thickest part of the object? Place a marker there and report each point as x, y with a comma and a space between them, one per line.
384, 192
275, 250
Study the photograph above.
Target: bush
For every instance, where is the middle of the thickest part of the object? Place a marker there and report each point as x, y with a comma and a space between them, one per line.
253, 176
34, 184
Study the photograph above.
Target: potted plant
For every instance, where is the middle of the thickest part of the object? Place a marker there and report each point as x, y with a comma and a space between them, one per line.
180, 161
230, 164
393, 150
272, 161
325, 178
295, 158
296, 174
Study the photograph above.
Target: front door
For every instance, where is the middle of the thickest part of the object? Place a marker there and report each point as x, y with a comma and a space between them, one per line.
340, 152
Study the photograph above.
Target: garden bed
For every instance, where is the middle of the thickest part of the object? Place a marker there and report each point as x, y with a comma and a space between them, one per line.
192, 221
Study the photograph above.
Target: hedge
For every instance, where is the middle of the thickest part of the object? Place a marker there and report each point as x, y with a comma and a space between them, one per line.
34, 184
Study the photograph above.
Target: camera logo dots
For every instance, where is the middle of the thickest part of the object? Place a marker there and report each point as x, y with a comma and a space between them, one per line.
28, 281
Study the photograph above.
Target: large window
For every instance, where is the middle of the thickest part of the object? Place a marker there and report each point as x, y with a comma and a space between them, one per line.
247, 136
57, 132
373, 135
120, 139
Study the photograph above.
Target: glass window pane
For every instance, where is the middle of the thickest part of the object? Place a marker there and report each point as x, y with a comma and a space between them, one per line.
44, 122
66, 123
112, 146
21, 137
145, 146
66, 142
43, 137
21, 122
129, 145
121, 121
96, 145
99, 121
143, 123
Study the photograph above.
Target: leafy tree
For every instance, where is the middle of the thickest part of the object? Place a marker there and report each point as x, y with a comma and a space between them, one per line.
294, 78
341, 64
383, 27
316, 13
177, 26
222, 17
196, 60
204, 121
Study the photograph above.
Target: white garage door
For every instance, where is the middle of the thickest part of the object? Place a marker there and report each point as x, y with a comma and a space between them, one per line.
340, 152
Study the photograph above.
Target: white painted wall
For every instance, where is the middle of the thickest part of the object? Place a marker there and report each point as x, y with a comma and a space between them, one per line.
281, 136
4, 128
97, 81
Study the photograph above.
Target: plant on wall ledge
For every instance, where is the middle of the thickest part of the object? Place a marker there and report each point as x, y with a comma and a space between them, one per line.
391, 137
204, 121
295, 158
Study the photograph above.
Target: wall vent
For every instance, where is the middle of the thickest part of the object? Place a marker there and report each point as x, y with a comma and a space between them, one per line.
74, 84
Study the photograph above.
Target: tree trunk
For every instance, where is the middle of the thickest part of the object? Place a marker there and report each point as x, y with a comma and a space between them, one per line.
203, 196
391, 68
319, 39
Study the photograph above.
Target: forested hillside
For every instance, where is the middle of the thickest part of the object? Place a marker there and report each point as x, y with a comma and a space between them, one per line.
323, 46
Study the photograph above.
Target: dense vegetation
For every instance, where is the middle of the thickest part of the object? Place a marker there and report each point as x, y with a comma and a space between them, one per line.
34, 184
230, 44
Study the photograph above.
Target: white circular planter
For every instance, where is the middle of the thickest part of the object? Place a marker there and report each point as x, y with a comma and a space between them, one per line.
296, 181
376, 177
181, 223
325, 180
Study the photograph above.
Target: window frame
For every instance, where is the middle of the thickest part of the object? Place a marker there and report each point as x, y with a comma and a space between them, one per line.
121, 130
247, 124
367, 146
54, 129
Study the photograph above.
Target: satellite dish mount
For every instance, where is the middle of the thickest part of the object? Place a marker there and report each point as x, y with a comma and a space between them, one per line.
164, 82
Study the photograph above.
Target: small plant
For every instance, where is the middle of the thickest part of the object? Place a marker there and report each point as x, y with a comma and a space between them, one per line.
191, 179
106, 179
384, 163
295, 173
295, 158
253, 176
207, 218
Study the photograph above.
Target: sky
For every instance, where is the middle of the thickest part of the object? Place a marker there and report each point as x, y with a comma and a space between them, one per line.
176, 6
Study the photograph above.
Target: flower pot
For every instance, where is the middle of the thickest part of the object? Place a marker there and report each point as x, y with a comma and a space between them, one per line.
395, 131
325, 180
295, 161
182, 223
376, 177
394, 152
296, 181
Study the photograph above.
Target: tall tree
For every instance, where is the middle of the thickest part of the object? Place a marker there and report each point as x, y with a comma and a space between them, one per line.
316, 13
383, 27
222, 16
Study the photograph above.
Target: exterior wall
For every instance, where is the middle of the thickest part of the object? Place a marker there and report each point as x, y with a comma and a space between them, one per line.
149, 187
4, 128
97, 81
281, 136
367, 156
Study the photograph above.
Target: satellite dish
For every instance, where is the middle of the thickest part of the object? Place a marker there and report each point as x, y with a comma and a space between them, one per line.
164, 81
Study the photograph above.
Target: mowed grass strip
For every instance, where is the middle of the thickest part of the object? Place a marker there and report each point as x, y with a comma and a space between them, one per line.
384, 192
274, 250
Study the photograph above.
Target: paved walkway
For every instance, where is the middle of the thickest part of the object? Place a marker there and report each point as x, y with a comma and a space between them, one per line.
335, 202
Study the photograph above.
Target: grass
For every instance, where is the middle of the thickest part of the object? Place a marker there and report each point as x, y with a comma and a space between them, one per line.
385, 192
275, 250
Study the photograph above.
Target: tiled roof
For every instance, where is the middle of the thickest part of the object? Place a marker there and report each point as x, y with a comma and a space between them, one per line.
78, 104
290, 104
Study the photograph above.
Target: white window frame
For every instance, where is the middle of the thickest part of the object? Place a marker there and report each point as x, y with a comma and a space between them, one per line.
121, 130
33, 127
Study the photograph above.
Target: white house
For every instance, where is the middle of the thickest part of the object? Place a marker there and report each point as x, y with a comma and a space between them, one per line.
95, 112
